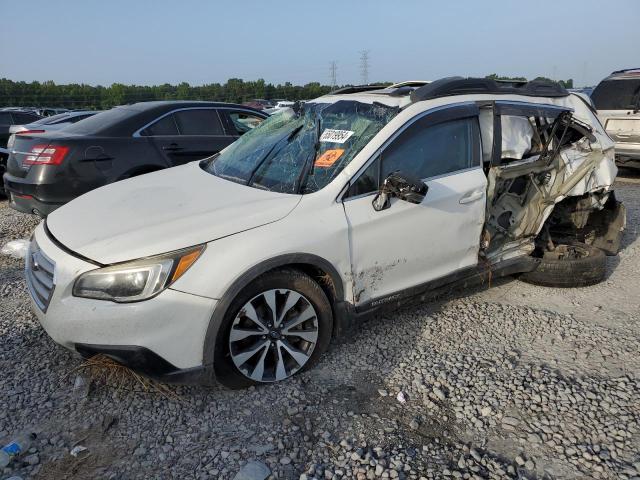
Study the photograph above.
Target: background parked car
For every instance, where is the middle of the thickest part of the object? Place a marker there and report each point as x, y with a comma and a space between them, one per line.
617, 99
279, 106
47, 124
20, 109
12, 117
49, 112
258, 104
47, 170
8, 118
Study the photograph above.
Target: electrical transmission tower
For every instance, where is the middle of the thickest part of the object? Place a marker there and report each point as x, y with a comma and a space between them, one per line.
364, 66
333, 69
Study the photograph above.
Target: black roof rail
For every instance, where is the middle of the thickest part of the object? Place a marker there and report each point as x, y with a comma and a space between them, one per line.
625, 70
356, 89
464, 86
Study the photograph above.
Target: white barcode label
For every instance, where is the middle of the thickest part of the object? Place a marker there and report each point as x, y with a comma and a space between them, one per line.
335, 136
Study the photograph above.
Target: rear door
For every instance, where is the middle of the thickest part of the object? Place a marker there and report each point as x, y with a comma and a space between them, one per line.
188, 134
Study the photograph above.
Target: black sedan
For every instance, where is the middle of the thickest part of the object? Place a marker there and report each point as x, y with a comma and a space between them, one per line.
47, 170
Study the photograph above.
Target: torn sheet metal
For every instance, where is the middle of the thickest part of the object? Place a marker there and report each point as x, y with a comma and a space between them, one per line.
522, 194
602, 175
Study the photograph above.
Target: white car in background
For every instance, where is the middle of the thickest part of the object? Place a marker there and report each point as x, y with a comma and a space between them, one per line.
242, 267
280, 105
617, 99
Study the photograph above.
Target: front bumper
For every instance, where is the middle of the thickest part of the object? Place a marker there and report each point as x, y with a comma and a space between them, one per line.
161, 337
149, 363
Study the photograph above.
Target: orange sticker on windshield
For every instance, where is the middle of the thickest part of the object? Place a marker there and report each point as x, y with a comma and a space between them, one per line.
329, 157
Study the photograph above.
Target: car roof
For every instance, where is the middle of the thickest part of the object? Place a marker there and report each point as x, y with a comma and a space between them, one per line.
162, 104
405, 93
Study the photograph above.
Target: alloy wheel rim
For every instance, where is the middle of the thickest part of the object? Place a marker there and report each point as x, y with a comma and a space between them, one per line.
273, 335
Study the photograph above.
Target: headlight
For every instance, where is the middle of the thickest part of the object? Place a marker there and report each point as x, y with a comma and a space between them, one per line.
137, 280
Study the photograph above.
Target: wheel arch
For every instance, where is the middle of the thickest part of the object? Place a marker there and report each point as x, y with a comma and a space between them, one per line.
315, 266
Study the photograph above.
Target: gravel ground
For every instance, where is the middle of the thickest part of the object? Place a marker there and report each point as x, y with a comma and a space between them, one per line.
513, 382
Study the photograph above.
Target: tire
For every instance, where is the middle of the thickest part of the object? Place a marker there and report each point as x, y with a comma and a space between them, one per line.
574, 265
253, 302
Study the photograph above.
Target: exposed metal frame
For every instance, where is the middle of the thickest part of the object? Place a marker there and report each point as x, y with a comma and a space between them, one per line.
518, 109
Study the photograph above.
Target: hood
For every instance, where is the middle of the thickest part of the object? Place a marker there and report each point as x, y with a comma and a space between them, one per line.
163, 211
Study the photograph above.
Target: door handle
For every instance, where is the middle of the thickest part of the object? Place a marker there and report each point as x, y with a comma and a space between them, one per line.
472, 197
172, 147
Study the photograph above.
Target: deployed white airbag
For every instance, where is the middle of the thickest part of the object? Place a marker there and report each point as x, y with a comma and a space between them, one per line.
517, 134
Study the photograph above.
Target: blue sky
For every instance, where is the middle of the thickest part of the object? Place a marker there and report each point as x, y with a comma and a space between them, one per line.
152, 42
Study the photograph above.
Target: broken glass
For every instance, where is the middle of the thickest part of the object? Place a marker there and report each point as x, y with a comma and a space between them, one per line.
301, 151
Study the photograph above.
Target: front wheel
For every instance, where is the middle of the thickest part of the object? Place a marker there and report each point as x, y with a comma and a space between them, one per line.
279, 325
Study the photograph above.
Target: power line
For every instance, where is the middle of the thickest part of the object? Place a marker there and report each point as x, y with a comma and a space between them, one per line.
333, 70
364, 66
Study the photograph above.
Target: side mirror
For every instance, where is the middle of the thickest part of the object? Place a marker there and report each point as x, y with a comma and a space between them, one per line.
400, 185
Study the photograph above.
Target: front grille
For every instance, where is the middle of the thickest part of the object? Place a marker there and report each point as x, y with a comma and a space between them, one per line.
39, 273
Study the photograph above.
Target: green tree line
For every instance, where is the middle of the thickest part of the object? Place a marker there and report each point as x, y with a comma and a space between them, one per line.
235, 90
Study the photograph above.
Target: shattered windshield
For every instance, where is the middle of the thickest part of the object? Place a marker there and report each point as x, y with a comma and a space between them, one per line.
301, 150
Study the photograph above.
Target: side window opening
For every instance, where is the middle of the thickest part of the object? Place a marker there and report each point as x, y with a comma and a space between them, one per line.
426, 151
165, 126
522, 137
368, 181
199, 122
244, 122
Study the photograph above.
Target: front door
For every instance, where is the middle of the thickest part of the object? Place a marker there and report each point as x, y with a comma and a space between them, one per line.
408, 245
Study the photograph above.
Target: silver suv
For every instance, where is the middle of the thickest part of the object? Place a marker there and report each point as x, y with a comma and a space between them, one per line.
617, 99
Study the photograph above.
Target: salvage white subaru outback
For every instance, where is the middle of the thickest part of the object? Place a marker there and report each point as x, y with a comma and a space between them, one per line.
242, 267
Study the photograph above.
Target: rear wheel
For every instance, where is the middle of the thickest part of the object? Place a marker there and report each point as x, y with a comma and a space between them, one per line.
570, 265
279, 325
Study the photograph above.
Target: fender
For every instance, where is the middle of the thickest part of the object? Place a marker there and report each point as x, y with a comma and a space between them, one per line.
247, 277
